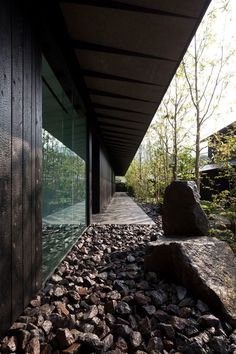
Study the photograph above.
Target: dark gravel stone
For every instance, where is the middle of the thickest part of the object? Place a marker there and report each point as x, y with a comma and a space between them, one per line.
135, 339
209, 321
123, 308
100, 300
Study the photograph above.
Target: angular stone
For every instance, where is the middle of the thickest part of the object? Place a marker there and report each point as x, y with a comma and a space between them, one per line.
61, 308
155, 344
168, 330
33, 346
82, 291
9, 344
208, 321
205, 265
93, 299
141, 298
72, 349
92, 312
121, 287
55, 278
145, 326
45, 349
91, 343
123, 331
59, 291
36, 302
74, 296
108, 342
135, 339
22, 339
46, 309
159, 297
149, 310
64, 338
219, 345
181, 292
123, 308
182, 213
121, 346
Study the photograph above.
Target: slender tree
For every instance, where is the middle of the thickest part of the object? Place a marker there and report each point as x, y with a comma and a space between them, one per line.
206, 77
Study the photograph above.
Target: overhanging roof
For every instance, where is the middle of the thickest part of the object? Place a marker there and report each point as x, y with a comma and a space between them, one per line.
128, 52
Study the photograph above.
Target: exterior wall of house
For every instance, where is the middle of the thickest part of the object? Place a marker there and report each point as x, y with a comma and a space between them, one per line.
102, 177
20, 163
21, 158
106, 180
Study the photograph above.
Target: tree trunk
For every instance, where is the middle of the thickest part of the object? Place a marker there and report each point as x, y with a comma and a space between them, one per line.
175, 151
197, 157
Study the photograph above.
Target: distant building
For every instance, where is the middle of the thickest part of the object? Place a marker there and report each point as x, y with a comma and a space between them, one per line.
212, 181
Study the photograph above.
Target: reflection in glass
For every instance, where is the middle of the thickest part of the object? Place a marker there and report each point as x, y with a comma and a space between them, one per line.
64, 173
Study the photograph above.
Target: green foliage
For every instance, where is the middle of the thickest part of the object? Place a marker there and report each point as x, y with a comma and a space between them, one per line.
222, 205
63, 175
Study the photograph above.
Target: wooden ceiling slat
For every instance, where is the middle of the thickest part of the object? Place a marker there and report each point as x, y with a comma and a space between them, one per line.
120, 127
115, 95
108, 119
100, 105
127, 53
97, 74
121, 133
77, 44
119, 5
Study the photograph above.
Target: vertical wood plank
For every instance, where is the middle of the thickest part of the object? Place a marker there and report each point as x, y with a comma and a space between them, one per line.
27, 170
5, 166
17, 145
38, 169
33, 120
95, 175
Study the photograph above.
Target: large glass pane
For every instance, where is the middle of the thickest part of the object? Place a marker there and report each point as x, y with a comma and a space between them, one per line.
64, 172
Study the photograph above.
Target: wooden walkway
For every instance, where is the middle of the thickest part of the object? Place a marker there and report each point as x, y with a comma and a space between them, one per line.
122, 210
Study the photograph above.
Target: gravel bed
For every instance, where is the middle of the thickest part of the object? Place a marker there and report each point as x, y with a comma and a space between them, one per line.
100, 300
153, 211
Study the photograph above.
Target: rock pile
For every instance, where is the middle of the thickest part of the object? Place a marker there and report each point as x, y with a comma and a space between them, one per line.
99, 300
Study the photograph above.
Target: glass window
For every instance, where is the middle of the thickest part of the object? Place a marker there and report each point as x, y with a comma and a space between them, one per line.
64, 172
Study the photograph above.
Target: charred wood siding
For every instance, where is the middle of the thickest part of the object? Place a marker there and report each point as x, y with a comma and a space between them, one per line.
20, 164
106, 181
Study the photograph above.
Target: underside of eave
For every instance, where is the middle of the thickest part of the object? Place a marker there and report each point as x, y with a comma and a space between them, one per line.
128, 52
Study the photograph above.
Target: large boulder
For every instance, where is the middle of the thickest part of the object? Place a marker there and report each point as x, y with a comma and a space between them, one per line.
205, 265
182, 213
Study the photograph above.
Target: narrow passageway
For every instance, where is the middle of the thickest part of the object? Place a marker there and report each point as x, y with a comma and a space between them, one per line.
100, 300
122, 210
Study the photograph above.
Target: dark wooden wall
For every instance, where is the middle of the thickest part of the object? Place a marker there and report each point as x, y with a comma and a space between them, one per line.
95, 175
20, 163
102, 177
106, 181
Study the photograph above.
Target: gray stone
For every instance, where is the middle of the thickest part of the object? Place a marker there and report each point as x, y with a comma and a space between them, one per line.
159, 297
64, 338
33, 346
168, 330
91, 312
205, 265
182, 212
181, 292
121, 287
123, 331
209, 321
155, 344
219, 345
149, 310
108, 342
123, 308
135, 339
91, 343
